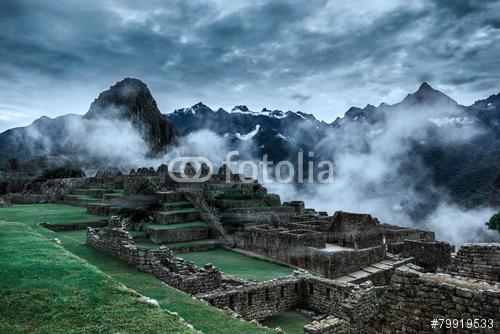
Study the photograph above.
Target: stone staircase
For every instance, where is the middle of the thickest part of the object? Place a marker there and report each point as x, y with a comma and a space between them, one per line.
242, 207
177, 225
99, 201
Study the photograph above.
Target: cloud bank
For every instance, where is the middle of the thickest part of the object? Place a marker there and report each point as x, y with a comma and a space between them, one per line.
319, 56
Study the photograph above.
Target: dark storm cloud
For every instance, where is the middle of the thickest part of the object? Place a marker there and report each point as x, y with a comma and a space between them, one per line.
230, 52
300, 97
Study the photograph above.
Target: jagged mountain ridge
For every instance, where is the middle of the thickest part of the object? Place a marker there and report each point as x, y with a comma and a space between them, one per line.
465, 169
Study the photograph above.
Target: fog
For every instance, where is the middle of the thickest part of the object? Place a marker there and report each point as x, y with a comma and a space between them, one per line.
374, 169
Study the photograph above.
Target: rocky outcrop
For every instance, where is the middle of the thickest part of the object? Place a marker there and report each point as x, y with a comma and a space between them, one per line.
130, 99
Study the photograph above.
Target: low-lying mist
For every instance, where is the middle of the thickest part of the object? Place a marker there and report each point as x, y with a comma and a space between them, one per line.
375, 168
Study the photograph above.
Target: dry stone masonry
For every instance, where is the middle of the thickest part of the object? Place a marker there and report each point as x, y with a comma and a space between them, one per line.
481, 261
162, 263
366, 275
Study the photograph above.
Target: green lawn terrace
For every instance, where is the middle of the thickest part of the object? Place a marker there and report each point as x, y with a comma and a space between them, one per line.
52, 216
239, 265
99, 201
291, 322
49, 299
240, 207
46, 289
177, 223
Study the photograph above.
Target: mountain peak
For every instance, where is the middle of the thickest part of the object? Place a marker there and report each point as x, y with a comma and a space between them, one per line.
240, 108
428, 95
130, 99
128, 92
425, 87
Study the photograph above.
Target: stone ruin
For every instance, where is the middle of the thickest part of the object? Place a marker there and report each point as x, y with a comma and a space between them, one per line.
162, 263
370, 277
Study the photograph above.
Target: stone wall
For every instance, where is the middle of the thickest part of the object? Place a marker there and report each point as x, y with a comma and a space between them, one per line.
22, 198
480, 261
278, 242
335, 264
101, 209
74, 226
353, 304
303, 248
414, 299
259, 300
429, 254
161, 236
396, 235
162, 263
237, 218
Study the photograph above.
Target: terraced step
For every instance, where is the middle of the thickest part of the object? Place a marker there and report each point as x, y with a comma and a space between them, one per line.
170, 196
184, 246
176, 216
81, 199
92, 192
138, 234
176, 205
101, 209
160, 233
193, 246
176, 226
175, 245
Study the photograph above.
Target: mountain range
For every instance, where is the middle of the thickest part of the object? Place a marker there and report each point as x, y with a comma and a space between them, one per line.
428, 140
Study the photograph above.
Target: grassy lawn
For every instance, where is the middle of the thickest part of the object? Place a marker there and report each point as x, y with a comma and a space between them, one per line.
239, 265
291, 322
47, 213
79, 235
46, 289
201, 316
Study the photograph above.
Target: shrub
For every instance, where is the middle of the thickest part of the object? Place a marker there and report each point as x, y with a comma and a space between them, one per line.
494, 222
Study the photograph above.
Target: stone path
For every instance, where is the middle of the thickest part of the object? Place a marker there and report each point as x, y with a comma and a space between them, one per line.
375, 272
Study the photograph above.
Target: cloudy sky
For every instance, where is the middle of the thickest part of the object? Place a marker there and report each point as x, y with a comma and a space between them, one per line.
317, 56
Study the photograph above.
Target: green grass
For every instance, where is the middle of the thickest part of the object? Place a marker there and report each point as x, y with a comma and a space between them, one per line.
201, 316
47, 213
175, 226
176, 203
137, 234
46, 289
114, 195
238, 265
79, 235
175, 212
174, 245
291, 322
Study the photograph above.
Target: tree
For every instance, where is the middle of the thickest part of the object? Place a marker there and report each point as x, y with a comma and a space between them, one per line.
494, 222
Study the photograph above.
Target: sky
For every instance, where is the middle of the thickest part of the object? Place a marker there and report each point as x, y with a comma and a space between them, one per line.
316, 56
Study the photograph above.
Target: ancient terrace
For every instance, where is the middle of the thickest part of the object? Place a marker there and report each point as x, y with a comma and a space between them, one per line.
348, 272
